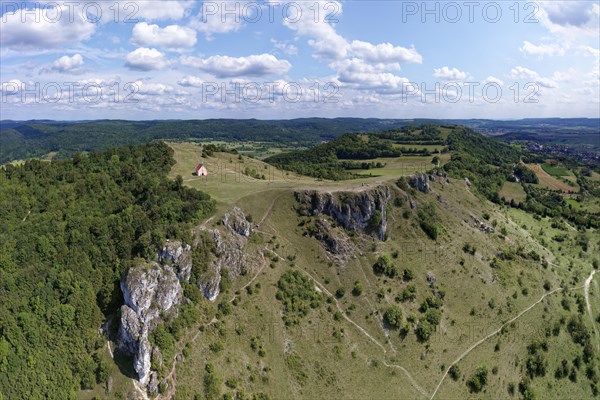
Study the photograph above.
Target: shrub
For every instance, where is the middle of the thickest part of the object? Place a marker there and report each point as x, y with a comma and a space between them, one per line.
454, 372
393, 316
357, 289
297, 293
478, 380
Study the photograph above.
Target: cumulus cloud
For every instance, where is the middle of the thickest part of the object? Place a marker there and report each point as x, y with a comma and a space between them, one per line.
450, 74
170, 37
161, 10
68, 64
323, 38
493, 79
520, 72
284, 47
191, 81
227, 67
384, 53
570, 18
43, 28
152, 89
213, 19
145, 59
542, 49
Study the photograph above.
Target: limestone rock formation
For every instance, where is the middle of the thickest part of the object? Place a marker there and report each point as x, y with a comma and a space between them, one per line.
180, 256
420, 182
235, 220
352, 210
149, 290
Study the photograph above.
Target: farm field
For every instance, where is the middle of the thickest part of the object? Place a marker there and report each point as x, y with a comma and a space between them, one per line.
549, 181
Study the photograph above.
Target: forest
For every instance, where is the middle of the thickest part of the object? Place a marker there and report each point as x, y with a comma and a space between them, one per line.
70, 229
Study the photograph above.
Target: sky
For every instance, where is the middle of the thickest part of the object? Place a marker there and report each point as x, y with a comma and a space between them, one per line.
142, 60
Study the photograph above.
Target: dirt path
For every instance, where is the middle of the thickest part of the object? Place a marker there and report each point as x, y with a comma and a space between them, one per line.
362, 330
268, 211
586, 293
476, 344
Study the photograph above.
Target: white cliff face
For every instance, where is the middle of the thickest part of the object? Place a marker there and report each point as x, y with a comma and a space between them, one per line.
153, 290
352, 210
180, 256
149, 290
237, 222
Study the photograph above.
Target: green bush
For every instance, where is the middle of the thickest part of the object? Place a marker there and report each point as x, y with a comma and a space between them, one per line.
393, 316
297, 293
478, 380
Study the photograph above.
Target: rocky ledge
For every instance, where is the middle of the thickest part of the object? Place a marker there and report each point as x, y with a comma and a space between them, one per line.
365, 210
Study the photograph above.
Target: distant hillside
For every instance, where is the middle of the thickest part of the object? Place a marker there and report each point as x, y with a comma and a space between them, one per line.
27, 139
37, 138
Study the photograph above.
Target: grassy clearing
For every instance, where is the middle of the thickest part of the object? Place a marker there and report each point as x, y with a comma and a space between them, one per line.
551, 182
555, 169
513, 191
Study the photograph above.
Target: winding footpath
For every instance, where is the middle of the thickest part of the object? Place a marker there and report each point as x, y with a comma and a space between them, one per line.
475, 345
586, 293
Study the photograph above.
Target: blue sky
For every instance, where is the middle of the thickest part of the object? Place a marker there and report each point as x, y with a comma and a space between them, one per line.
216, 59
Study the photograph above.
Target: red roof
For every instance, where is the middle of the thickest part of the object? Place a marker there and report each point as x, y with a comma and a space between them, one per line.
198, 166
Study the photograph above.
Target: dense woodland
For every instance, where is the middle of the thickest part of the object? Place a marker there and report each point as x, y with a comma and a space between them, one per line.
70, 229
21, 140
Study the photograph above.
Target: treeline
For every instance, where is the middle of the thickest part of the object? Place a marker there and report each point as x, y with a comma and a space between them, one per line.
70, 228
35, 139
488, 163
334, 160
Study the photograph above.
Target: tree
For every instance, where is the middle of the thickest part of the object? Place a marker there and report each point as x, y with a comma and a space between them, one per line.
393, 316
435, 161
478, 380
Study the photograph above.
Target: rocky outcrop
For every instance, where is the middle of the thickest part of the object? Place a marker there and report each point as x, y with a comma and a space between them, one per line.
149, 291
482, 225
230, 252
336, 243
365, 210
179, 256
420, 182
235, 220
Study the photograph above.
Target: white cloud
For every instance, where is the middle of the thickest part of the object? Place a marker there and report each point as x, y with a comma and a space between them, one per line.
13, 86
493, 79
145, 59
160, 10
323, 38
590, 51
381, 82
152, 89
450, 74
384, 53
191, 81
41, 29
227, 67
170, 37
217, 20
546, 83
68, 64
542, 49
287, 48
569, 18
519, 72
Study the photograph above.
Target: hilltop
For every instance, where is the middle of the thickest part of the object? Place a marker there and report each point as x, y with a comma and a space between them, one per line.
414, 262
